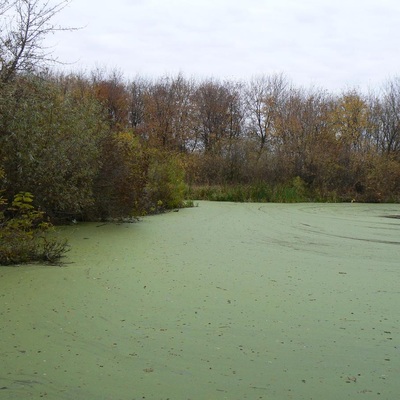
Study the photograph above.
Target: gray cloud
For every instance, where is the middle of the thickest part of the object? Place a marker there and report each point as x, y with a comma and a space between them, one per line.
332, 44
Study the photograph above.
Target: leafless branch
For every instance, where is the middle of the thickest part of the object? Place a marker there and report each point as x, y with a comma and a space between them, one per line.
24, 24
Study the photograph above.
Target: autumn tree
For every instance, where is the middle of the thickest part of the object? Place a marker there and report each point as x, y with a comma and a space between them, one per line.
299, 133
351, 119
168, 114
218, 126
234, 149
182, 120
385, 110
112, 94
265, 97
136, 93
218, 113
350, 123
119, 185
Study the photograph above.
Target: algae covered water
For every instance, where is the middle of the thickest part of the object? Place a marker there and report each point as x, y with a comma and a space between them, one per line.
221, 301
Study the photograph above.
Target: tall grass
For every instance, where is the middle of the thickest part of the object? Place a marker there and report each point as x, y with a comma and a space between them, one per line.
293, 192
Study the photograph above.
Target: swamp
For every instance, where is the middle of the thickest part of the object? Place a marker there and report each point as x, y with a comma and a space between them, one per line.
219, 301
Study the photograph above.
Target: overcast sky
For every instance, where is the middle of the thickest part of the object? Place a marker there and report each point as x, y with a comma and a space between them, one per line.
332, 44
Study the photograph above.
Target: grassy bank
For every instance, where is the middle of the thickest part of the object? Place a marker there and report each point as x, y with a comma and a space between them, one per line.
295, 191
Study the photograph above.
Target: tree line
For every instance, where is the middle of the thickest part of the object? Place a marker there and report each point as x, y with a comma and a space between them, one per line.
99, 145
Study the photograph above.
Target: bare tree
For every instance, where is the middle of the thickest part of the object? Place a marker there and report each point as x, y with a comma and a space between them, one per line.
111, 90
137, 89
302, 135
265, 96
168, 113
388, 135
24, 24
5, 5
218, 111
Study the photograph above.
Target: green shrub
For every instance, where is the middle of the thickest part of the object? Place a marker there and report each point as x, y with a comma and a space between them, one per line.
293, 192
24, 233
119, 187
260, 192
50, 144
165, 187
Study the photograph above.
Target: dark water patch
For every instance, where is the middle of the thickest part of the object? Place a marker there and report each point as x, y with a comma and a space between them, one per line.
370, 240
397, 216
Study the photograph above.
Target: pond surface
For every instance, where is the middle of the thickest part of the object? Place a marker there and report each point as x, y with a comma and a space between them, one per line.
221, 301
